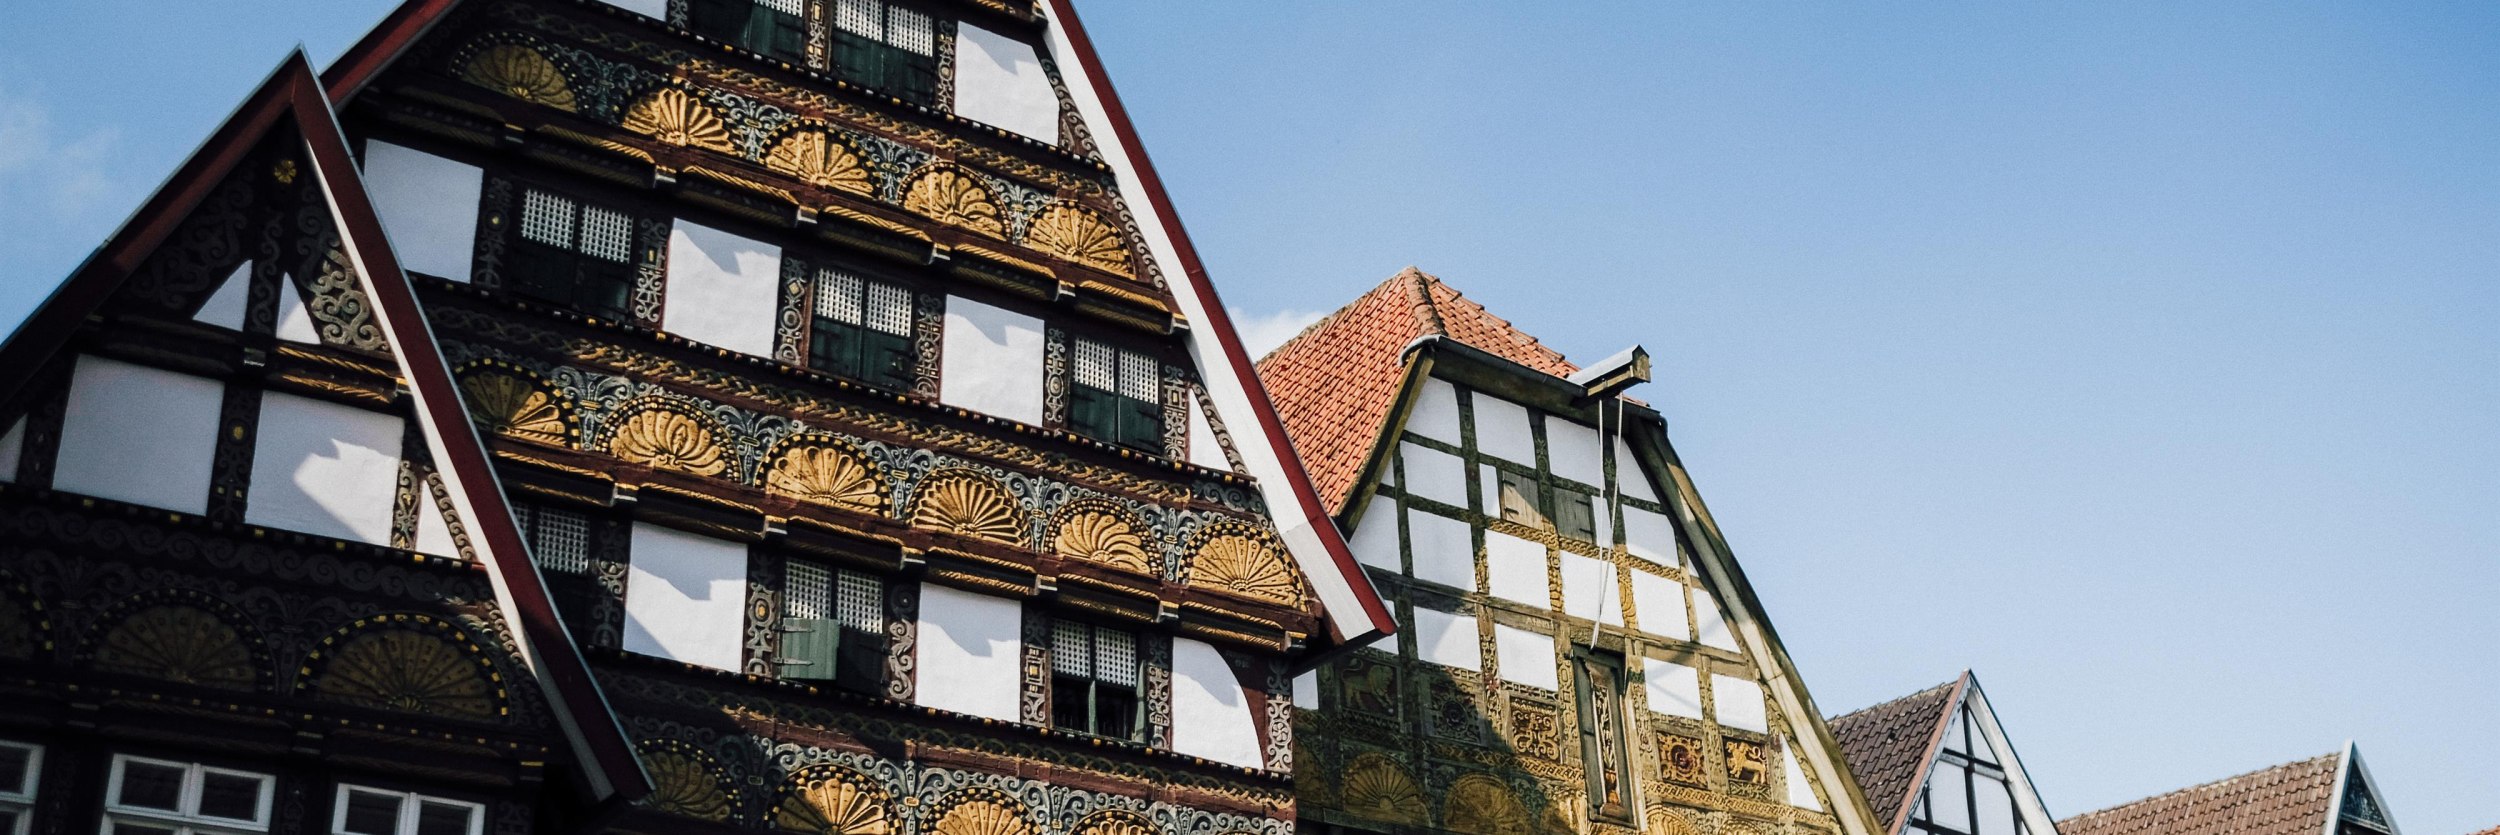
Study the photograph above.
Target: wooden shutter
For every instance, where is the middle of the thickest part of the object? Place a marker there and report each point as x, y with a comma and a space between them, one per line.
811, 631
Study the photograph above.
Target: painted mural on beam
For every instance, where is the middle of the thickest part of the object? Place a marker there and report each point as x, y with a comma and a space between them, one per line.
831, 371
1572, 660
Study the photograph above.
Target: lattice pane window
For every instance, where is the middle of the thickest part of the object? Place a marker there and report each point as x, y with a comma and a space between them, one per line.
21, 769
559, 539
369, 811
573, 254
832, 625
1116, 396
548, 218
862, 330
1093, 679
777, 28
145, 796
887, 47
608, 234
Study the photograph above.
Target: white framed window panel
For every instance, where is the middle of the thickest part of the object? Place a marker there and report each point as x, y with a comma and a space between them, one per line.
363, 810
145, 796
21, 771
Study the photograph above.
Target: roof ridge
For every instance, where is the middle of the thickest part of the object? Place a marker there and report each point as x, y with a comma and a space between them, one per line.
1931, 691
2204, 785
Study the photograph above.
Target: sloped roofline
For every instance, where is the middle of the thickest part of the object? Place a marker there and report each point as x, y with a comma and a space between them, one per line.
2013, 763
609, 767
2343, 784
1354, 609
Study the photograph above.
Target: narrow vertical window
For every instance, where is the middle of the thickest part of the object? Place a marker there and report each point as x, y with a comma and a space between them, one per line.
559, 540
574, 254
861, 330
1116, 396
1093, 680
161, 797
366, 811
21, 768
776, 28
832, 626
1602, 752
887, 47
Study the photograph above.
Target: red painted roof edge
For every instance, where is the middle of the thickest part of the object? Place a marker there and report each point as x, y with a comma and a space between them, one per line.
381, 47
1306, 500
1935, 742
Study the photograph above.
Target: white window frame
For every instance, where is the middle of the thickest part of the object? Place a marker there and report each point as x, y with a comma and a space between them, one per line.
410, 804
186, 821
21, 798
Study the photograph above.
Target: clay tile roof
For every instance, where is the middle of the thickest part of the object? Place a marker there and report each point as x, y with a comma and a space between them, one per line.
1887, 745
2288, 799
1333, 383
2492, 831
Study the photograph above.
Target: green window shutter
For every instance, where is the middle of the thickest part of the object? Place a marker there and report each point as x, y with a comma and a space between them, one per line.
886, 360
811, 648
1142, 427
1093, 413
720, 20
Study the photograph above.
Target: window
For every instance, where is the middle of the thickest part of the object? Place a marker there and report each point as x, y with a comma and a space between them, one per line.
1093, 683
1967, 792
862, 330
1519, 499
832, 626
559, 540
777, 28
1602, 751
21, 768
1116, 397
163, 797
364, 811
574, 254
887, 47
1573, 516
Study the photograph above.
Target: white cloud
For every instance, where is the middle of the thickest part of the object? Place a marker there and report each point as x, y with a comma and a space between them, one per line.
1261, 333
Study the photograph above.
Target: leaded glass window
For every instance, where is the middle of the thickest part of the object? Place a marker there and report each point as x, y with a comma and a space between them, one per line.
861, 330
1116, 396
1093, 680
887, 47
573, 254
776, 28
832, 625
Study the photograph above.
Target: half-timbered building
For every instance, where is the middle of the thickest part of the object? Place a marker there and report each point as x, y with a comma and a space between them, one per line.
658, 415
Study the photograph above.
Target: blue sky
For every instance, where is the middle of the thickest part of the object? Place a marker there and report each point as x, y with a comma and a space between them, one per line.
2141, 357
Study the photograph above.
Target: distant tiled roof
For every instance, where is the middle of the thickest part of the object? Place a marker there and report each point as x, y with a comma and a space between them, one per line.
2288, 799
1888, 745
2492, 831
1334, 383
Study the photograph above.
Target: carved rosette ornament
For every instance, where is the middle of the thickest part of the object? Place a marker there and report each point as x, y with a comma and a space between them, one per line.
824, 471
409, 664
181, 644
1478, 804
1078, 234
831, 800
979, 811
1099, 532
1244, 560
662, 435
520, 72
1114, 822
949, 194
684, 782
968, 504
507, 401
674, 116
816, 157
1377, 789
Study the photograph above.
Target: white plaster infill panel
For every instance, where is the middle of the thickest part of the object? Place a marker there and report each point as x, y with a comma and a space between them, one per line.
1525, 657
999, 81
1711, 625
295, 323
1447, 639
1514, 570
656, 9
1738, 703
1801, 794
685, 597
1629, 477
433, 534
224, 308
139, 435
1375, 539
325, 469
1435, 414
1435, 475
1444, 549
970, 647
1658, 603
1674, 689
1590, 589
723, 289
1650, 536
1205, 449
12, 450
1575, 451
1211, 715
428, 206
1306, 691
1502, 430
992, 361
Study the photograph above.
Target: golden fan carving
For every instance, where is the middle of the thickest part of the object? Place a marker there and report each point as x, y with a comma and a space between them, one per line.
681, 785
983, 816
1080, 235
1663, 822
816, 158
1480, 805
668, 440
826, 474
952, 195
1377, 789
970, 505
675, 117
838, 803
520, 72
179, 644
1103, 536
505, 403
1115, 823
410, 672
1245, 564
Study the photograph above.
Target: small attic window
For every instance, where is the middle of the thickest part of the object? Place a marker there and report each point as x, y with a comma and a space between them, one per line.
1116, 396
574, 254
862, 330
886, 47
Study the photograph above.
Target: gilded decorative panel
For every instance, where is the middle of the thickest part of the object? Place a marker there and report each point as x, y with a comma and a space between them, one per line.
1376, 788
825, 470
408, 663
174, 636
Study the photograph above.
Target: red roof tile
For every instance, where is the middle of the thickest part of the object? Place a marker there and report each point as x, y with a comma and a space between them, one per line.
1333, 384
1888, 745
2288, 799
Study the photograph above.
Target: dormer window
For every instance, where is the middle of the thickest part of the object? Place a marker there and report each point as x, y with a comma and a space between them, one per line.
862, 330
886, 47
776, 28
574, 254
1116, 396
